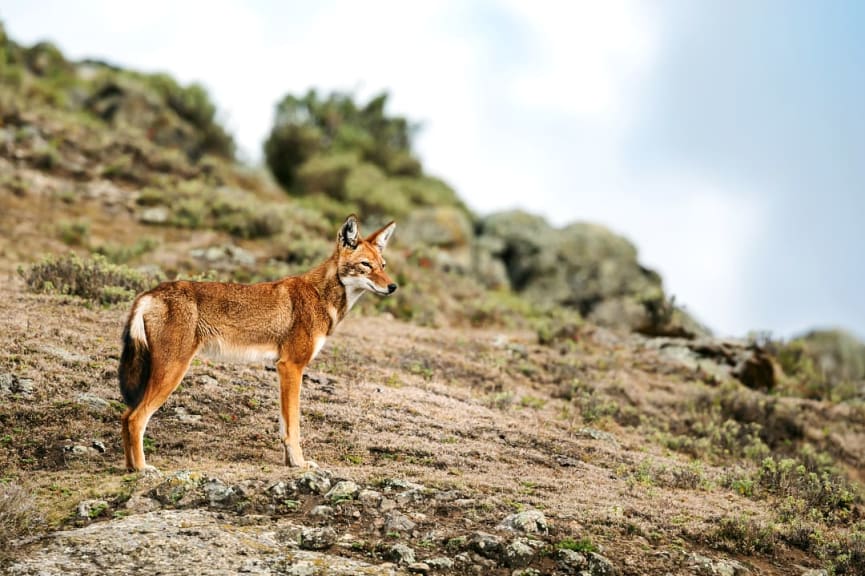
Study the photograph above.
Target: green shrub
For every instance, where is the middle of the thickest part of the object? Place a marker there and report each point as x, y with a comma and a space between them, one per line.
828, 492
93, 279
310, 125
742, 535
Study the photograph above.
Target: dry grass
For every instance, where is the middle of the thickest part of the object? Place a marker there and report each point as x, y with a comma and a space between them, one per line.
18, 513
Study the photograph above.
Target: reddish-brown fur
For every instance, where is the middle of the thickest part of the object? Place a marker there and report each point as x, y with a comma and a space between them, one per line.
286, 320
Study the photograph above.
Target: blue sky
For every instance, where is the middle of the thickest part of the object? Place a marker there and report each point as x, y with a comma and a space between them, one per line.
726, 138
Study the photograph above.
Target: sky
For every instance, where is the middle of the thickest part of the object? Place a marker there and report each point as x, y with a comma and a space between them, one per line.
725, 138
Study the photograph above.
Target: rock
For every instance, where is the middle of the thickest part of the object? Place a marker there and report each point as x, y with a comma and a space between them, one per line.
401, 554
177, 489
386, 504
419, 568
323, 512
441, 226
141, 504
527, 521
409, 496
183, 415
487, 545
487, 267
317, 538
219, 495
177, 542
13, 384
721, 359
705, 566
399, 485
518, 553
571, 561
442, 563
518, 239
396, 521
314, 482
599, 565
207, 380
342, 491
154, 215
280, 491
89, 509
369, 497
93, 401
79, 451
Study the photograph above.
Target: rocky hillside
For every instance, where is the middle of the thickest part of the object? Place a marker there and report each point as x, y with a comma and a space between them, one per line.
530, 401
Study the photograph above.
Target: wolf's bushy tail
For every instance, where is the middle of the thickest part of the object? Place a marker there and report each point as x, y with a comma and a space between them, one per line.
134, 371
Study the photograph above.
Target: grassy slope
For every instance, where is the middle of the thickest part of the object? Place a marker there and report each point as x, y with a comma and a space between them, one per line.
613, 442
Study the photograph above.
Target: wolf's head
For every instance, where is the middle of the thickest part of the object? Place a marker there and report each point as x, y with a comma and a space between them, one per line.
361, 265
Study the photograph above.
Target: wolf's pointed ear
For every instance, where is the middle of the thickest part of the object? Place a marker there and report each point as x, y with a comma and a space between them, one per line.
349, 232
380, 238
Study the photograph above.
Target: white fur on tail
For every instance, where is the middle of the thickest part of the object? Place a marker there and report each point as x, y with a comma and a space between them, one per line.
136, 327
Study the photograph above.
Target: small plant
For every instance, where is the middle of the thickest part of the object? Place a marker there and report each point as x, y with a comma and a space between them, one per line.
456, 544
581, 545
97, 510
532, 402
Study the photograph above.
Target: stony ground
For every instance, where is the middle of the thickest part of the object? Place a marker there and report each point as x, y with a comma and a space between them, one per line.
440, 450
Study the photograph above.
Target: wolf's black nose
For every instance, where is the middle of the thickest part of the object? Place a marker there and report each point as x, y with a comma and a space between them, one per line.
391, 288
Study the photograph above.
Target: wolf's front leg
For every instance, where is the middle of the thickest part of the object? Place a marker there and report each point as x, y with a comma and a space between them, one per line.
290, 376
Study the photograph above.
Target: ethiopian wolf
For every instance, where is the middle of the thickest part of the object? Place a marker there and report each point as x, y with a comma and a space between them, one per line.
287, 320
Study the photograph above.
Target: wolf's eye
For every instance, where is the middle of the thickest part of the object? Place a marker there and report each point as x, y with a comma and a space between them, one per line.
366, 264
383, 264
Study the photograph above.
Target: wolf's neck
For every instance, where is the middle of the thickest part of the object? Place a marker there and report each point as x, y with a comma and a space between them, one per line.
325, 279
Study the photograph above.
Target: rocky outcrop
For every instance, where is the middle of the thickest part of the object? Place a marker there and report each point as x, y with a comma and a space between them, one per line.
183, 542
584, 266
315, 523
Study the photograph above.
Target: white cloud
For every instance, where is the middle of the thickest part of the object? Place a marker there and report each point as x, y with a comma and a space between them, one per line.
585, 55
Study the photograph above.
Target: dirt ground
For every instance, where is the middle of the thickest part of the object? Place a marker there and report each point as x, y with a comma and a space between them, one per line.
480, 412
